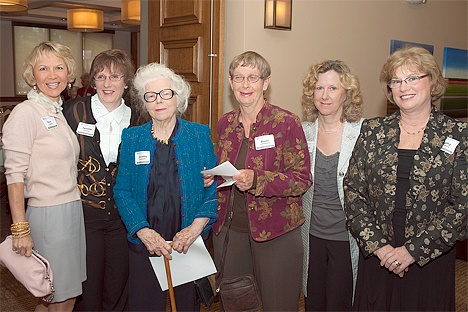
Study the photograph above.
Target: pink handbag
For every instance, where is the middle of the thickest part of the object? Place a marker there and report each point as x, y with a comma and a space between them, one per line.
33, 272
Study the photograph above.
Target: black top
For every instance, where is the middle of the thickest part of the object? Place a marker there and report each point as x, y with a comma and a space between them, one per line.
405, 163
163, 205
96, 180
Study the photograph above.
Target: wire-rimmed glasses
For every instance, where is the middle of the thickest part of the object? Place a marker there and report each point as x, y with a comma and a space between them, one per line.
411, 80
113, 77
240, 78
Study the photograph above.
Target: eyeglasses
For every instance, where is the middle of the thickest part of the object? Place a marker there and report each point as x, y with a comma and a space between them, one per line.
112, 77
165, 94
251, 79
411, 80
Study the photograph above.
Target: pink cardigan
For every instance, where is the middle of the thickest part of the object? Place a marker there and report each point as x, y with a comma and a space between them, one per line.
43, 159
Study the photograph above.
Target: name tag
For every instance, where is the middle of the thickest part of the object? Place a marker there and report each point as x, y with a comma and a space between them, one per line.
86, 129
264, 142
142, 158
450, 145
49, 122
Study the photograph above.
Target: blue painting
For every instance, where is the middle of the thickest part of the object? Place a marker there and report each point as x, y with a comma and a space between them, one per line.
396, 44
454, 103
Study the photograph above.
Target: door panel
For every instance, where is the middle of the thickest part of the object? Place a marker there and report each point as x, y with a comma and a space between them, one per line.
181, 36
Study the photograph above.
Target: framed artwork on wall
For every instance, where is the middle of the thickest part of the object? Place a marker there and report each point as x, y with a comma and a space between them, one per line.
396, 44
454, 103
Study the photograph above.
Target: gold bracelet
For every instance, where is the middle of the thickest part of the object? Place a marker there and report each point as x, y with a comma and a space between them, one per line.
21, 234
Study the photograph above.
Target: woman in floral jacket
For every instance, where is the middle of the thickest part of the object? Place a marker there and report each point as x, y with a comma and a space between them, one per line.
406, 192
262, 211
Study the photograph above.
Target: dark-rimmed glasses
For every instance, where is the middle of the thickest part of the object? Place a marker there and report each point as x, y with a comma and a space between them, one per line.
113, 77
410, 81
165, 94
240, 78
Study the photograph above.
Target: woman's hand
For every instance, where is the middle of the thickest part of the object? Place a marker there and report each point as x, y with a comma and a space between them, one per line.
185, 238
397, 261
154, 243
208, 180
23, 245
244, 180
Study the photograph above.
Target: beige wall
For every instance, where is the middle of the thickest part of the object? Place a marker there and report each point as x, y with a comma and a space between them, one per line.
355, 31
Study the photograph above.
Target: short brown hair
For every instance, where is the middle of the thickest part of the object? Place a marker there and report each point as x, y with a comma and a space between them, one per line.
416, 58
114, 59
352, 107
45, 48
251, 59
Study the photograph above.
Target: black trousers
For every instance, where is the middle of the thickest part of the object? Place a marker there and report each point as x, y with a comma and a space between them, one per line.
106, 287
145, 293
330, 279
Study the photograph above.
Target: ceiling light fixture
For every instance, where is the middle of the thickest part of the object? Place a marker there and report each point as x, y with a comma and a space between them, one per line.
85, 20
13, 5
130, 12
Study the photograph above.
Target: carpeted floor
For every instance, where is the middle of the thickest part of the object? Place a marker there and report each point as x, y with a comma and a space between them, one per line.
14, 297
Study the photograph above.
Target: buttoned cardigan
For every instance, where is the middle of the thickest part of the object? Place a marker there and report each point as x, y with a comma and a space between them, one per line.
194, 151
283, 171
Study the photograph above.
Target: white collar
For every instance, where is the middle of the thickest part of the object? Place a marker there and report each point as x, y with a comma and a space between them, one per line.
100, 111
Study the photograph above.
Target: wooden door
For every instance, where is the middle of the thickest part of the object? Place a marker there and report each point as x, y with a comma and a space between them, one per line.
187, 36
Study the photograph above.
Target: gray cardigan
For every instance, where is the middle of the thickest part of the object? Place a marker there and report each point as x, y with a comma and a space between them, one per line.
348, 140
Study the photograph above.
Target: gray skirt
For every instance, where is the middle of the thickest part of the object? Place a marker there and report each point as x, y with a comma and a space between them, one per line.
59, 235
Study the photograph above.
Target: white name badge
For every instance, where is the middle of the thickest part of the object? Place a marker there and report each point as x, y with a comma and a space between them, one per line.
86, 129
450, 145
142, 158
49, 122
264, 142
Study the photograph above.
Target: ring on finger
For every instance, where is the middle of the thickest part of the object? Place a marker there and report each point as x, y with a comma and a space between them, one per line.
396, 263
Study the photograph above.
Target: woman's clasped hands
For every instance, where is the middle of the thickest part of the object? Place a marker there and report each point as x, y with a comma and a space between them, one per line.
396, 260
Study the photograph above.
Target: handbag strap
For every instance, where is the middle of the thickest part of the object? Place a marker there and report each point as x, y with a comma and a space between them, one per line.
219, 275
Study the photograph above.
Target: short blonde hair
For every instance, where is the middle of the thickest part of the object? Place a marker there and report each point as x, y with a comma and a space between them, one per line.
352, 107
40, 51
416, 58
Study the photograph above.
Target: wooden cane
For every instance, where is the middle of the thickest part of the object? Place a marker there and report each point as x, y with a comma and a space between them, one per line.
169, 284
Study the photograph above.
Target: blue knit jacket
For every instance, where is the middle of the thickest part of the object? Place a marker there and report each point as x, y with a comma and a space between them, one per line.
194, 151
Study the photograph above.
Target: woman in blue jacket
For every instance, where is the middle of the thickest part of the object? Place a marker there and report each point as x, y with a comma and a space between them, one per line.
160, 191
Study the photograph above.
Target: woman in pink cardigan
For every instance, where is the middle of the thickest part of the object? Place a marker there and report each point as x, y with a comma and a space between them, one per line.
41, 153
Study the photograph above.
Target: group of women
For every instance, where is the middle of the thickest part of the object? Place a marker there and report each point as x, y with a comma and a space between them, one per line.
373, 231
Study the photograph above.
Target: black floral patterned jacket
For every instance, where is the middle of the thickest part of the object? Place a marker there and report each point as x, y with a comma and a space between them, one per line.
436, 201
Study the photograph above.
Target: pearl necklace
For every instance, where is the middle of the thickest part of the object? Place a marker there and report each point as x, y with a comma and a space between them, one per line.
166, 141
411, 133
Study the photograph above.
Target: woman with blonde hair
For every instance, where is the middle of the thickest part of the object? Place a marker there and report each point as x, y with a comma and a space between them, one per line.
332, 105
41, 153
406, 192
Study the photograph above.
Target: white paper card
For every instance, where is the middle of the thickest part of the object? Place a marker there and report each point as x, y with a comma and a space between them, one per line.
49, 122
450, 145
142, 158
86, 129
225, 170
264, 142
193, 265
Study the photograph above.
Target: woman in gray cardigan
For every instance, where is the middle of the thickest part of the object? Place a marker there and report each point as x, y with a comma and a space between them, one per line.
332, 105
